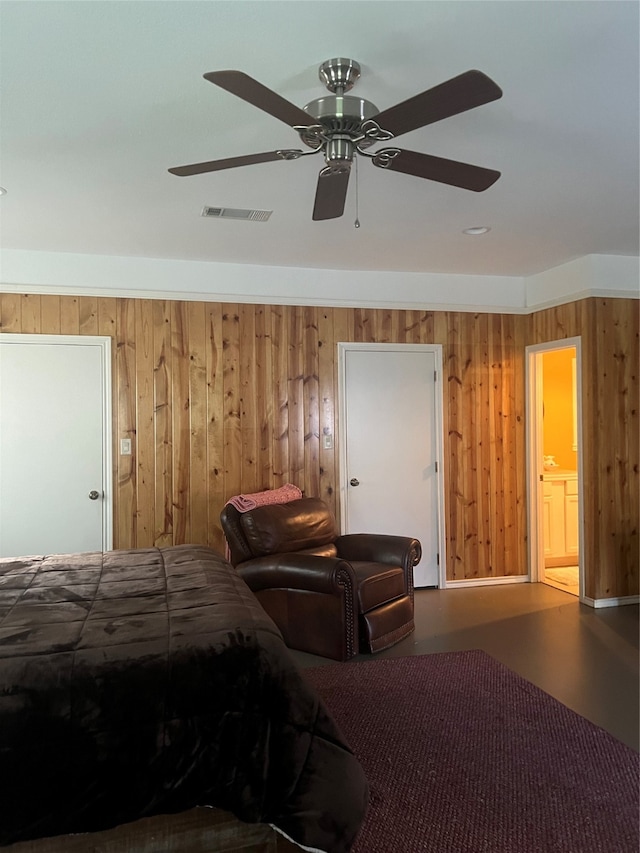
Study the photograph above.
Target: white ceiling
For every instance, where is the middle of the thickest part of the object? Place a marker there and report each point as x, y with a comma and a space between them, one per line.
99, 99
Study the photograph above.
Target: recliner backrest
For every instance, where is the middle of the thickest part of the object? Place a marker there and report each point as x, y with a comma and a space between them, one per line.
299, 525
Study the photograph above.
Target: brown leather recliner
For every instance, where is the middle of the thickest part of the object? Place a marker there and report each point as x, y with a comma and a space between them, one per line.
329, 595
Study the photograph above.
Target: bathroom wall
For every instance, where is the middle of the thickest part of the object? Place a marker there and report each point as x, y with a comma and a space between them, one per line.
558, 424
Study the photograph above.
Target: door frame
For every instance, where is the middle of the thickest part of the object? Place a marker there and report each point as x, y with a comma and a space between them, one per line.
534, 445
436, 350
104, 344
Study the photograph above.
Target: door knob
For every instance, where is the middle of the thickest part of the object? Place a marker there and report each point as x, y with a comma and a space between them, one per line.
93, 495
354, 482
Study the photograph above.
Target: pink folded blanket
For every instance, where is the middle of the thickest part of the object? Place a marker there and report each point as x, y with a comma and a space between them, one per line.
282, 495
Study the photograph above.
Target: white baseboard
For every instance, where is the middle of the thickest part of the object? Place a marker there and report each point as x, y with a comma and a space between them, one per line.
610, 602
487, 581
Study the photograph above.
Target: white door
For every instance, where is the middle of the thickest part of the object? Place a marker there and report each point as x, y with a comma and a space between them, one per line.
391, 465
54, 444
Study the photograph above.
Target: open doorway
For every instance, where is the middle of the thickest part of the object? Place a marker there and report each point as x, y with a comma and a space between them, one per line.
553, 442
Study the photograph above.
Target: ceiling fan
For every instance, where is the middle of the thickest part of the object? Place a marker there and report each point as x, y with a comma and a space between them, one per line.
342, 126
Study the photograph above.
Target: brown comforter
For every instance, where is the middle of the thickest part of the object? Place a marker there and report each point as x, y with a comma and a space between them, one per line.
144, 682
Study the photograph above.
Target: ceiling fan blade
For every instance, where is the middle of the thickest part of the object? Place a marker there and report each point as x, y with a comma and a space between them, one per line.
331, 194
461, 93
245, 87
450, 172
232, 162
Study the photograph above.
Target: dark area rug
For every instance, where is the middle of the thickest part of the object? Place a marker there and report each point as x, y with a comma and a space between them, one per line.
464, 755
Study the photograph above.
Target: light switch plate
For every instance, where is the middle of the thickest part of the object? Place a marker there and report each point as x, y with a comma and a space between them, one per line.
125, 447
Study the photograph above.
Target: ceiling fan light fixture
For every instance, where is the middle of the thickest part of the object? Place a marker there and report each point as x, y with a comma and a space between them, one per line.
476, 230
339, 150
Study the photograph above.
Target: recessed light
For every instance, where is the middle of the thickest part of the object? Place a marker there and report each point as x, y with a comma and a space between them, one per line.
477, 229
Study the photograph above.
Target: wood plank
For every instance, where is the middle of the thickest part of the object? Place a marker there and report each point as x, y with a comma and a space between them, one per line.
30, 317
70, 315
249, 476
50, 314
482, 383
397, 326
310, 384
383, 326
296, 395
10, 315
198, 462
327, 391
107, 313
360, 326
427, 326
470, 567
263, 400
517, 554
215, 426
88, 315
497, 445
162, 424
441, 336
125, 421
144, 444
344, 325
231, 385
372, 325
590, 442
280, 395
180, 427
604, 457
455, 459
107, 326
412, 327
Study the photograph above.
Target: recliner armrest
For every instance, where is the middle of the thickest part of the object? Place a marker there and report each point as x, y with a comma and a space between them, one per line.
380, 548
297, 571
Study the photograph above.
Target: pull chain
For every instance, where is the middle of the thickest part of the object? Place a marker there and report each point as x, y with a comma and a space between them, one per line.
356, 224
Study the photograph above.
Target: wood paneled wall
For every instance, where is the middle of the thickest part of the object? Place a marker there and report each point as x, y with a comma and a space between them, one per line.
228, 398
220, 399
610, 331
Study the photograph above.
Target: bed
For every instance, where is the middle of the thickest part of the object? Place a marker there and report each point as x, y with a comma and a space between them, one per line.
150, 682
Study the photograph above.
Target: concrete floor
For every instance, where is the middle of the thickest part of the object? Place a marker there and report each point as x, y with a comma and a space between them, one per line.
586, 658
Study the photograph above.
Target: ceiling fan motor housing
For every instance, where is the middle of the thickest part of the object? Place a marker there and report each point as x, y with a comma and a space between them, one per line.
339, 114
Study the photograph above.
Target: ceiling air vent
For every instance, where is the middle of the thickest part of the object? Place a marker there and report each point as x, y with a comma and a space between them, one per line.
236, 213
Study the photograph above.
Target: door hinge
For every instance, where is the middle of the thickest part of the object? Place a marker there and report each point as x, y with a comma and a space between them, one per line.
435, 376
437, 559
436, 466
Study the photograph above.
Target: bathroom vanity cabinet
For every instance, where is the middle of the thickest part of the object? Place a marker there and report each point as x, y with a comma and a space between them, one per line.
560, 518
